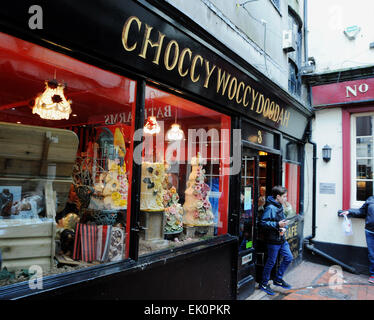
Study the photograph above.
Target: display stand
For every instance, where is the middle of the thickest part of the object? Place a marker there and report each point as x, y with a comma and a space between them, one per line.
34, 160
152, 233
198, 231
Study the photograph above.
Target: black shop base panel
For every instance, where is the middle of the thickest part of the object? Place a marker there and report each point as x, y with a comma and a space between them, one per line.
205, 271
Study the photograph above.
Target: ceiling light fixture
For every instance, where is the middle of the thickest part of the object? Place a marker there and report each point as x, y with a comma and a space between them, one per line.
175, 133
151, 126
52, 104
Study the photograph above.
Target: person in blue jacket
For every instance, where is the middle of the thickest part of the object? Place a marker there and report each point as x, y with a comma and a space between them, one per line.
274, 225
367, 212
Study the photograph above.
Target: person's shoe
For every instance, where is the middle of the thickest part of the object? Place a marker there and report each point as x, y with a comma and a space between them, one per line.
267, 289
371, 279
282, 283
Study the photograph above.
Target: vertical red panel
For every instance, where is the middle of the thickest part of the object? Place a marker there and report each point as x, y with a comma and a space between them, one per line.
224, 178
346, 137
292, 183
129, 164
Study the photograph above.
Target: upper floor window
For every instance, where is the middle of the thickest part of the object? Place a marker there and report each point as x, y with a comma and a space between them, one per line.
276, 3
294, 58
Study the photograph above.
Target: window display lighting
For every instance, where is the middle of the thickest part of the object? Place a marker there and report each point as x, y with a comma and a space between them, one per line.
175, 133
52, 104
151, 126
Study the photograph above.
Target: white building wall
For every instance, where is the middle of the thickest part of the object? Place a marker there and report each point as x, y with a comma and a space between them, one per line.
254, 31
308, 189
329, 46
333, 51
327, 129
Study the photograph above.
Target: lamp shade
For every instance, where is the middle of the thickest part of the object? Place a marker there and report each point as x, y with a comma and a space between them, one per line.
52, 104
151, 126
175, 133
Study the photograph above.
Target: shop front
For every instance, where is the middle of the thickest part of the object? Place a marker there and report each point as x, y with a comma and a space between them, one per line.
344, 107
270, 160
122, 153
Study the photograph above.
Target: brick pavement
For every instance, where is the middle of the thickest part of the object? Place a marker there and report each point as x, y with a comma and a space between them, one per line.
311, 281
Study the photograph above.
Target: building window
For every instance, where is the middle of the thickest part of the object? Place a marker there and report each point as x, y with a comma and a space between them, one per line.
65, 177
185, 178
362, 157
295, 57
276, 4
294, 82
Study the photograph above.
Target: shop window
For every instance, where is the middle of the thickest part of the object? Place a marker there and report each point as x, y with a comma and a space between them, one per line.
185, 172
291, 176
66, 156
362, 158
292, 183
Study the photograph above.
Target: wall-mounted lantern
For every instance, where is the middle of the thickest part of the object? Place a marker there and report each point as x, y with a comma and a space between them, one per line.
326, 153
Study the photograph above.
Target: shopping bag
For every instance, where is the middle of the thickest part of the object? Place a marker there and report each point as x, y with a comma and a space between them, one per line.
347, 226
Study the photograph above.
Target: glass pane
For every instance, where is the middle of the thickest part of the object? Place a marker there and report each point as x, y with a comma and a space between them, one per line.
185, 176
364, 169
292, 151
64, 175
246, 198
364, 126
364, 190
364, 147
292, 178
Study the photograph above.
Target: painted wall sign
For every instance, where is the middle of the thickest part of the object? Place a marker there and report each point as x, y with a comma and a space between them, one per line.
344, 92
194, 65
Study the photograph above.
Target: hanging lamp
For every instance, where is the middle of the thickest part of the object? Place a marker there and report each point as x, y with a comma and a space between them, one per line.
175, 133
151, 126
52, 103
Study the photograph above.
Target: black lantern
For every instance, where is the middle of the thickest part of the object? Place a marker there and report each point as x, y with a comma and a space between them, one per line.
326, 153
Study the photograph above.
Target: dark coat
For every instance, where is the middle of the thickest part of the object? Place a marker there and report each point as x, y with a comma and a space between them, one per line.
366, 211
269, 222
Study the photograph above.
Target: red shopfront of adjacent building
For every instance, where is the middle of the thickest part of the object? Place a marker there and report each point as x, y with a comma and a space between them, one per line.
356, 100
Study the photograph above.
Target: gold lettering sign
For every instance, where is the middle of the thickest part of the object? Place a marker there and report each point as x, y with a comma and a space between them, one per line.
200, 70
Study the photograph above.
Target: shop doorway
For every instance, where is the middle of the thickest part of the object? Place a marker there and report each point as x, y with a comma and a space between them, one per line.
259, 173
